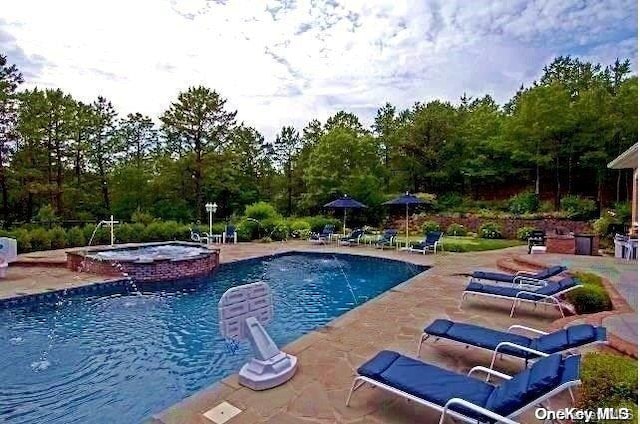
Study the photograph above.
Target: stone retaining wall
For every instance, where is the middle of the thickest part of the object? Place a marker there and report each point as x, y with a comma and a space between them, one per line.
509, 226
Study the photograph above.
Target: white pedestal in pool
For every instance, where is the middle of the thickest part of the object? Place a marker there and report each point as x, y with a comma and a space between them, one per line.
243, 311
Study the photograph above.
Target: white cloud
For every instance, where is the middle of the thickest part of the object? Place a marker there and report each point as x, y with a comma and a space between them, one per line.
286, 62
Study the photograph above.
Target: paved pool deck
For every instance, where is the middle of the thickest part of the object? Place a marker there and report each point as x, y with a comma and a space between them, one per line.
329, 356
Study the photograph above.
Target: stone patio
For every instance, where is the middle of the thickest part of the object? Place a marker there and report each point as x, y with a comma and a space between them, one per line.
329, 356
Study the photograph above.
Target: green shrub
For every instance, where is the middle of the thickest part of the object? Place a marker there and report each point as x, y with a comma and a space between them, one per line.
46, 215
601, 225
608, 381
23, 238
546, 207
429, 226
589, 299
523, 233
589, 279
261, 211
449, 201
40, 239
318, 222
247, 230
578, 207
300, 228
623, 211
154, 232
142, 217
124, 233
490, 230
525, 202
456, 230
75, 237
277, 229
58, 238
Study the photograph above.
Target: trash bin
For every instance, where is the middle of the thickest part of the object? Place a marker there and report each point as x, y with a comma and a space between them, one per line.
619, 242
584, 244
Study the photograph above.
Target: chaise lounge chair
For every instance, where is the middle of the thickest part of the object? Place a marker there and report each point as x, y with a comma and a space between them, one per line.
386, 239
547, 294
520, 276
230, 235
199, 237
430, 243
353, 238
516, 345
323, 236
465, 398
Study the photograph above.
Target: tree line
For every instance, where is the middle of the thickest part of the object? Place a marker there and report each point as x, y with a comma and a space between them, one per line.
84, 161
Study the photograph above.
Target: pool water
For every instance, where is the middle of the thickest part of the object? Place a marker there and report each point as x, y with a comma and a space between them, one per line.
122, 358
162, 251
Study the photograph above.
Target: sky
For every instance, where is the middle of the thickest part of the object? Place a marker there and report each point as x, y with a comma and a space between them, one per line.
286, 62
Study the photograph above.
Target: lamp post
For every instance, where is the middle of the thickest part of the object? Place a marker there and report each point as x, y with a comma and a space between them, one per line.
211, 208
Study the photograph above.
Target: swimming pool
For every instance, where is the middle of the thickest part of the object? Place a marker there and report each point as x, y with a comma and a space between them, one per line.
120, 358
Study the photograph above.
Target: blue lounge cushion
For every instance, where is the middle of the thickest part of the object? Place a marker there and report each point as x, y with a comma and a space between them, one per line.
476, 335
437, 385
508, 278
511, 395
487, 338
378, 364
573, 336
493, 276
550, 272
549, 290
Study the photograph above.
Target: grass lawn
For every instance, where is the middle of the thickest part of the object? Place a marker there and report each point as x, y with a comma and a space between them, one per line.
470, 244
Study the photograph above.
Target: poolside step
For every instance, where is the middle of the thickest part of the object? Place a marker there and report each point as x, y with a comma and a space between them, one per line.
511, 264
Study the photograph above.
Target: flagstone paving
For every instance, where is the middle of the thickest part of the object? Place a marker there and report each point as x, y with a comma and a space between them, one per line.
329, 356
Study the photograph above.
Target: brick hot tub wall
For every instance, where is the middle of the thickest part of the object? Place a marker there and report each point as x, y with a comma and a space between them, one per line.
158, 270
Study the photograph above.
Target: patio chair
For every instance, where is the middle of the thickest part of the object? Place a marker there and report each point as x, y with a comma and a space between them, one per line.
547, 294
199, 237
230, 235
353, 238
463, 397
510, 343
534, 278
386, 239
323, 236
430, 243
536, 238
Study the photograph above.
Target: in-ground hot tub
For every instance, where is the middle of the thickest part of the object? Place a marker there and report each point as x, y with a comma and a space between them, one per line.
147, 261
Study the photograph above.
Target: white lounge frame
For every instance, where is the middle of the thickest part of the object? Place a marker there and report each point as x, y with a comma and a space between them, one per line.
517, 299
426, 249
446, 410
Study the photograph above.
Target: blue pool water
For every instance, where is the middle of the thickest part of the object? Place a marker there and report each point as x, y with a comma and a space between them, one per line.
120, 358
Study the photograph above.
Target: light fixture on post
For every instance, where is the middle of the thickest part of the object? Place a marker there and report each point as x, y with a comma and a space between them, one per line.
211, 208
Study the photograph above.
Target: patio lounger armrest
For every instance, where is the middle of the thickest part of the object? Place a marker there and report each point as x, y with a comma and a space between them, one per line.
516, 346
534, 294
489, 372
475, 408
519, 273
523, 327
524, 280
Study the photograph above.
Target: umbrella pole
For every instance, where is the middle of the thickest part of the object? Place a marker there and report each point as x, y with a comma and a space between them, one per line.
344, 223
407, 226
